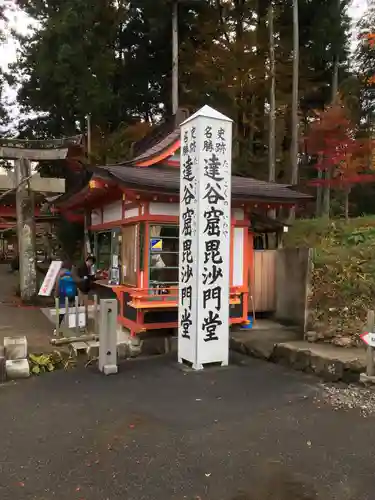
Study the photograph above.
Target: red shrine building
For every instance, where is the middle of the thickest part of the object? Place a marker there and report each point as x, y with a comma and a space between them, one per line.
134, 229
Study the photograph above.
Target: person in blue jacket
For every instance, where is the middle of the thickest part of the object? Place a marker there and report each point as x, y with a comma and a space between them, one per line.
65, 287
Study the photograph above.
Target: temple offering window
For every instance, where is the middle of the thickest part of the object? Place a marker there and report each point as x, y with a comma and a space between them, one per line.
163, 257
129, 255
103, 250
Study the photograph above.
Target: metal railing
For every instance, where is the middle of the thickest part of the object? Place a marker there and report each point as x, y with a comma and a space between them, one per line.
76, 317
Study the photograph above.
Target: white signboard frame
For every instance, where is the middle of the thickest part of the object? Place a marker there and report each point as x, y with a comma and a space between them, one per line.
50, 278
368, 338
205, 224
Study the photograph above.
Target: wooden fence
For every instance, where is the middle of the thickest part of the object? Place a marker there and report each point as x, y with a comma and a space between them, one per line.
263, 287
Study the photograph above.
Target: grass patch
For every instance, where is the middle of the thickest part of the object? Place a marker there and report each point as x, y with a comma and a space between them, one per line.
343, 281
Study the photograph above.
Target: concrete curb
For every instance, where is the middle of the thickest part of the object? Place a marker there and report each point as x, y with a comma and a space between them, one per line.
330, 363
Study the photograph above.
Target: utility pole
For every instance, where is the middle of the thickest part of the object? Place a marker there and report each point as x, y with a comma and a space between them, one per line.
25, 230
175, 43
174, 57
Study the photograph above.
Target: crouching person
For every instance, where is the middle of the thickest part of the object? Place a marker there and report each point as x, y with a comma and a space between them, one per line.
65, 288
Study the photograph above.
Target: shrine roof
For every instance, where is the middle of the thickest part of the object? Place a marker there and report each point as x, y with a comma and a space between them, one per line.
154, 152
167, 180
160, 142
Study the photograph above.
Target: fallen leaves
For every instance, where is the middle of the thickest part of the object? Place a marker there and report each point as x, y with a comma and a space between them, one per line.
349, 398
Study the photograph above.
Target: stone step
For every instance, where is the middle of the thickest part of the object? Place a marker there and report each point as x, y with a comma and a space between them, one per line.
329, 362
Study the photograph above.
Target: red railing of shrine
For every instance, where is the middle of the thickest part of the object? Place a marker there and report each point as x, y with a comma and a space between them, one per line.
164, 297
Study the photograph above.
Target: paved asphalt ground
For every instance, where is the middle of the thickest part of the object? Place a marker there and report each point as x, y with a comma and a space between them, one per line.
157, 432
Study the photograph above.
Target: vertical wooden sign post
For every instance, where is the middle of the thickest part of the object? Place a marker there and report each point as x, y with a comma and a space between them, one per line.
369, 339
205, 199
370, 346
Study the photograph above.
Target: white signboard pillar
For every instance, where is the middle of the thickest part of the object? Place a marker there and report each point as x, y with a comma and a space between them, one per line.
205, 196
50, 278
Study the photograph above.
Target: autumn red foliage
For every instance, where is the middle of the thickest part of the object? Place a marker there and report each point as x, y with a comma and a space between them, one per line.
342, 156
369, 38
334, 141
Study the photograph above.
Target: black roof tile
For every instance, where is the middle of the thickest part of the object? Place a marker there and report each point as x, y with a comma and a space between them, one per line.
167, 180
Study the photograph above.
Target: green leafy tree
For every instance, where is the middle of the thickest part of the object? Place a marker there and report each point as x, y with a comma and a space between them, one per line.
226, 64
112, 59
3, 103
365, 62
66, 66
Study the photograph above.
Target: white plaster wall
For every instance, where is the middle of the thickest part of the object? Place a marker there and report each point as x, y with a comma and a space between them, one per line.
238, 214
96, 217
112, 211
164, 209
132, 212
238, 243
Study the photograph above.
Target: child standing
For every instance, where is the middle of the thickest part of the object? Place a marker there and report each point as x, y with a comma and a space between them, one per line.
65, 288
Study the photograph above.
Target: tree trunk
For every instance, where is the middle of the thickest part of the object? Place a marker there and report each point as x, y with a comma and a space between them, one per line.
335, 90
327, 187
294, 143
346, 203
336, 60
272, 113
318, 208
174, 57
26, 231
327, 194
262, 35
241, 126
335, 80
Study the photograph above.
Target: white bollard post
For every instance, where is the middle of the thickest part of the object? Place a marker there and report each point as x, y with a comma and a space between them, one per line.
67, 312
108, 336
96, 306
76, 304
57, 307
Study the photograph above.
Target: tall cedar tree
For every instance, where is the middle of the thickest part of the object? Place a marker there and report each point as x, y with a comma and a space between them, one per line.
229, 58
365, 62
3, 33
113, 59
